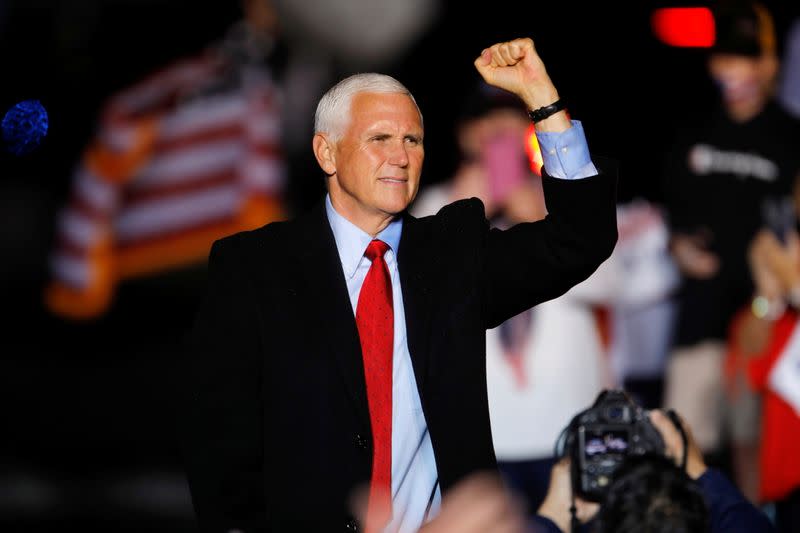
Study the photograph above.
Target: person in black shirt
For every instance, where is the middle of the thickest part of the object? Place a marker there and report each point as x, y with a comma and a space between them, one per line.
724, 168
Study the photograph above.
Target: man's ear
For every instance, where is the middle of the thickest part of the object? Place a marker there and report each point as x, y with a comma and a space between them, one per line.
325, 153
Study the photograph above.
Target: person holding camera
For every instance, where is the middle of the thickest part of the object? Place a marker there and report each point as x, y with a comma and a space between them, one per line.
649, 492
653, 493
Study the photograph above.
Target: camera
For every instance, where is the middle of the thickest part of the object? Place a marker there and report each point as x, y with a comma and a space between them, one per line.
599, 439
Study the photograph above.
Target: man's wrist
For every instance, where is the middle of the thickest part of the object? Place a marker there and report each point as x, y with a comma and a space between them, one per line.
539, 96
537, 115
542, 96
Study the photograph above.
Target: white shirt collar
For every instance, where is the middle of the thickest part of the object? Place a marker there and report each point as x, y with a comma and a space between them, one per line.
352, 241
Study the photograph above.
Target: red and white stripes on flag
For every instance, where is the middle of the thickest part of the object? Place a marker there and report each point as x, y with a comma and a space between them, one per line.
179, 161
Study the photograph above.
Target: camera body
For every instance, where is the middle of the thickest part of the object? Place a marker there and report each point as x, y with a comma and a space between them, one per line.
599, 438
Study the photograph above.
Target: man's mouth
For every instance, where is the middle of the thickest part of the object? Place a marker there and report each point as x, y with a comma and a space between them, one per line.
393, 180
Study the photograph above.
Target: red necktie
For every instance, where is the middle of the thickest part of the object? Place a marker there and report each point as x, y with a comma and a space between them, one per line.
375, 321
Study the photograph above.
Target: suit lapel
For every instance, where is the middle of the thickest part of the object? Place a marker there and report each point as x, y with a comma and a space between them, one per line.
327, 294
415, 263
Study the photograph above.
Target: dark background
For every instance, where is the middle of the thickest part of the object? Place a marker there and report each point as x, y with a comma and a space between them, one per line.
87, 435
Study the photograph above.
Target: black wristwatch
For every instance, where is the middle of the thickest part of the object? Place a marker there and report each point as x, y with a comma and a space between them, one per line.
542, 113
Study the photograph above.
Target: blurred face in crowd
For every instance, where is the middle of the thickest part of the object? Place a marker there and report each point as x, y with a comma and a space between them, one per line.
375, 166
496, 168
746, 83
474, 134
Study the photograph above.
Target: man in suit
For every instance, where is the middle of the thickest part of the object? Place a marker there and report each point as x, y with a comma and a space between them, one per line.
347, 347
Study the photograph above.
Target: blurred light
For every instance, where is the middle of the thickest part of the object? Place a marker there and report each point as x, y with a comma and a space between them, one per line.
24, 126
691, 27
533, 151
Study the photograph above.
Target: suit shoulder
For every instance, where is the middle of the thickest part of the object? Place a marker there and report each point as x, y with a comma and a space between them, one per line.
469, 212
249, 241
456, 228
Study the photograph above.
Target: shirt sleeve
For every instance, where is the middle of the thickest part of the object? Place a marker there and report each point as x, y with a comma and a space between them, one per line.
566, 154
729, 511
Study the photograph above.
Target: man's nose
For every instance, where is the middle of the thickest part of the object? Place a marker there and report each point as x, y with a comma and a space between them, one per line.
399, 154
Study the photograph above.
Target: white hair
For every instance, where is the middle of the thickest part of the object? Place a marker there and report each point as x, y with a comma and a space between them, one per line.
333, 111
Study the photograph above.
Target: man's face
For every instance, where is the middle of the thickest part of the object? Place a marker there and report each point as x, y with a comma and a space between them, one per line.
745, 82
379, 158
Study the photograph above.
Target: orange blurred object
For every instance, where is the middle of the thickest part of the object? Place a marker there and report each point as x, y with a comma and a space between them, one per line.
533, 151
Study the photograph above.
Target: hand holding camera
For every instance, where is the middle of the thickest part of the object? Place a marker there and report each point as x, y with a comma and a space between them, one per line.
556, 505
674, 446
595, 445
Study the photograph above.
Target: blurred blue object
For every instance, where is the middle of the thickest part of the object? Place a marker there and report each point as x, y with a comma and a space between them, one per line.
24, 127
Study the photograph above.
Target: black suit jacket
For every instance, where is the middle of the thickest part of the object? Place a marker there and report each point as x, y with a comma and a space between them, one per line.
275, 419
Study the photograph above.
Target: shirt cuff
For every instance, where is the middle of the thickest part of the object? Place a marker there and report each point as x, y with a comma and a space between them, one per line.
566, 153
